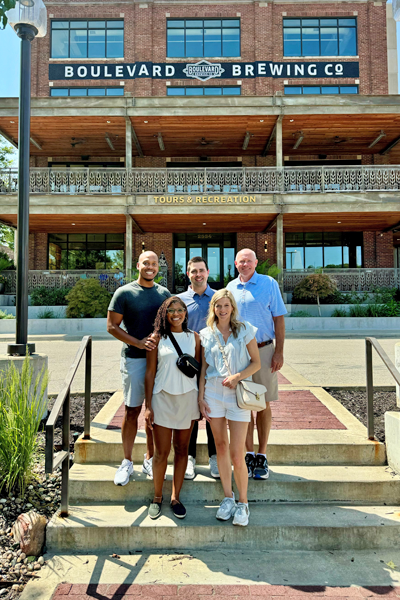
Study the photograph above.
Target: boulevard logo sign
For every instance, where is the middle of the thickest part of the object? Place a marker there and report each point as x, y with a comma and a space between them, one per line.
204, 70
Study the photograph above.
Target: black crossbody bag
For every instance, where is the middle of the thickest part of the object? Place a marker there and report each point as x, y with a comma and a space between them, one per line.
185, 363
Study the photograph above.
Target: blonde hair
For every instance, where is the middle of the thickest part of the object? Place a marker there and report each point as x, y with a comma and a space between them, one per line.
235, 324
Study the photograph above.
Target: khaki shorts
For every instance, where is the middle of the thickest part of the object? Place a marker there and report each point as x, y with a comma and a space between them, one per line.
264, 375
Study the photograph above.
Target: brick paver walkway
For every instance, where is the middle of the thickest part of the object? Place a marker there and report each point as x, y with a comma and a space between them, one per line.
219, 592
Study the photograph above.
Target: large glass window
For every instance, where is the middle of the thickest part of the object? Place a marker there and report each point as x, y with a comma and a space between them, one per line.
203, 37
323, 249
75, 91
87, 39
320, 37
291, 90
86, 251
204, 91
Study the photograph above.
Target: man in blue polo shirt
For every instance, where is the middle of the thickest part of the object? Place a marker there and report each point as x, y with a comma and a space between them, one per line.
197, 299
260, 302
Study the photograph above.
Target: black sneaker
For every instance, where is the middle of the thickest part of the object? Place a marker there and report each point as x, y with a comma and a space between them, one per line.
155, 510
179, 510
250, 462
261, 469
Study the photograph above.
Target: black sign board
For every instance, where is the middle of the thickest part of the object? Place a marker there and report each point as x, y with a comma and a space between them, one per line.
204, 70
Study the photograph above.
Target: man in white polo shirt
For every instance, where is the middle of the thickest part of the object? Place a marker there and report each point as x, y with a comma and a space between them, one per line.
260, 302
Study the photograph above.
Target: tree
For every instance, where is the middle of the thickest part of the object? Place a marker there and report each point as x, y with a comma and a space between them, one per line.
5, 5
7, 153
315, 285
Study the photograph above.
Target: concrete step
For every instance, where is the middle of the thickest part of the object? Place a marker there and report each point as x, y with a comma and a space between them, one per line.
127, 528
374, 485
308, 447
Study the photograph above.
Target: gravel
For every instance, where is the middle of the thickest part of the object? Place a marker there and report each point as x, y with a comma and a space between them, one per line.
42, 495
356, 402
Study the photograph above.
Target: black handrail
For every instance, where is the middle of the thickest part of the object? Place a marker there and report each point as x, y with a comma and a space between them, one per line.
369, 343
52, 461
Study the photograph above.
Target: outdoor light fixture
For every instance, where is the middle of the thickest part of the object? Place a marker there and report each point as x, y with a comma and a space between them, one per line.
246, 140
109, 142
29, 20
143, 246
160, 141
265, 246
378, 139
298, 141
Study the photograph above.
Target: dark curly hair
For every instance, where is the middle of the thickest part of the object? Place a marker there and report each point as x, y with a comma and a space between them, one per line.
161, 324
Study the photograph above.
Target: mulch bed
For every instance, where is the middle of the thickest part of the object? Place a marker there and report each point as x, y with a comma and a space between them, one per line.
356, 402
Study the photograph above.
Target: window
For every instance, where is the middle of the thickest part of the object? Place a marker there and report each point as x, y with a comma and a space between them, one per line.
328, 249
86, 251
87, 39
203, 37
320, 37
78, 91
320, 89
204, 91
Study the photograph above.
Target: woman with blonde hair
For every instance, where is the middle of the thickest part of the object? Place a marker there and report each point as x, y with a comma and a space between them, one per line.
217, 396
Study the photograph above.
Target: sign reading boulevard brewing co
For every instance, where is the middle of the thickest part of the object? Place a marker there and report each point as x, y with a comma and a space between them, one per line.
204, 70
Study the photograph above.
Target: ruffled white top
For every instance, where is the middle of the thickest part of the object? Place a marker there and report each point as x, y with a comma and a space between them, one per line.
168, 377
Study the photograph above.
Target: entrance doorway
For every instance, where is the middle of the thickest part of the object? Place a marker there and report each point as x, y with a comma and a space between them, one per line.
218, 249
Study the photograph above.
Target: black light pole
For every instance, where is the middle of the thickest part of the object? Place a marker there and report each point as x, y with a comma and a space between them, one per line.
27, 33
24, 19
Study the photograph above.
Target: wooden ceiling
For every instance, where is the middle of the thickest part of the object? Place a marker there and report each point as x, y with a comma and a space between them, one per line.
345, 134
64, 223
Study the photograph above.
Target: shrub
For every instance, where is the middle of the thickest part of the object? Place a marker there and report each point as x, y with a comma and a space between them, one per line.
46, 314
21, 410
339, 312
316, 285
356, 310
300, 313
87, 299
43, 296
265, 268
4, 315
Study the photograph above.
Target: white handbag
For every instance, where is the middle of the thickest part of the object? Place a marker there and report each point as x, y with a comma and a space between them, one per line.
249, 395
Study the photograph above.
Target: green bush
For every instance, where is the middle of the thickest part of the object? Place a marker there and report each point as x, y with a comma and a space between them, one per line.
316, 285
4, 315
356, 310
300, 313
339, 312
43, 296
265, 268
21, 410
46, 314
87, 299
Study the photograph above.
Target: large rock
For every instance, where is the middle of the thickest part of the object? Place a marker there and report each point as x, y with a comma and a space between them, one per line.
28, 530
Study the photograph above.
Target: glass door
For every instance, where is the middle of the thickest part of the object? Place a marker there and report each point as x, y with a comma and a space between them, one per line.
218, 249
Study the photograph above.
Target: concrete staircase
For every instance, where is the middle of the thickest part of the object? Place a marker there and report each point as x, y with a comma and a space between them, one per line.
328, 490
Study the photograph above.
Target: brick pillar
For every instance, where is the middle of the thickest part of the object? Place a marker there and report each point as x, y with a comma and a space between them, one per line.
246, 240
270, 238
378, 250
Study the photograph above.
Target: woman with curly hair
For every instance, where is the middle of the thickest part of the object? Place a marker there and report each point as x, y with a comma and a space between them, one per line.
217, 396
171, 400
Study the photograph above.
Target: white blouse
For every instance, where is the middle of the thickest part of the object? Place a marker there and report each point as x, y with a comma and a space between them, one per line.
168, 377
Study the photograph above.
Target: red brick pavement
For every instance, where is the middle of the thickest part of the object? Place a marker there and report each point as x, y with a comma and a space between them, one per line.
296, 409
92, 591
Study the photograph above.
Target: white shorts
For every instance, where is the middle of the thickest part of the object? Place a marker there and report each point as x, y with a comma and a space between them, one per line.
133, 371
222, 402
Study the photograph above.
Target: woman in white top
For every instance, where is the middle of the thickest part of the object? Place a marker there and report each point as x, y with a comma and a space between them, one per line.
171, 400
217, 396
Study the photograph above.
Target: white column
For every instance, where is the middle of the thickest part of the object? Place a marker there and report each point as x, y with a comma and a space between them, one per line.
128, 144
279, 144
279, 249
128, 247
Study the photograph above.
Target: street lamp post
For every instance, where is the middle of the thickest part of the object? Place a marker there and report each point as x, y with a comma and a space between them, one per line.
29, 20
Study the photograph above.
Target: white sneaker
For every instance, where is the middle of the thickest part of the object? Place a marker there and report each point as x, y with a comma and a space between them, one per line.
190, 472
226, 509
123, 473
147, 467
212, 461
242, 513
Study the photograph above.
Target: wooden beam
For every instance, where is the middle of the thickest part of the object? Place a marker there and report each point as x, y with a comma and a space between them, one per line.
11, 140
272, 224
397, 226
271, 137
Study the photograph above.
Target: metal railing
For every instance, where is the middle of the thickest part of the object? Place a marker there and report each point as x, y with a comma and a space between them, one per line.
348, 280
224, 180
370, 343
52, 461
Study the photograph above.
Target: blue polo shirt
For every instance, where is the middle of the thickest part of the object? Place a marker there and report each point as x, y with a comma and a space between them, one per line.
259, 300
197, 307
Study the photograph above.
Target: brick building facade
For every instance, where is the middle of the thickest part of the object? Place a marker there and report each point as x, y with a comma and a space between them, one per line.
264, 29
